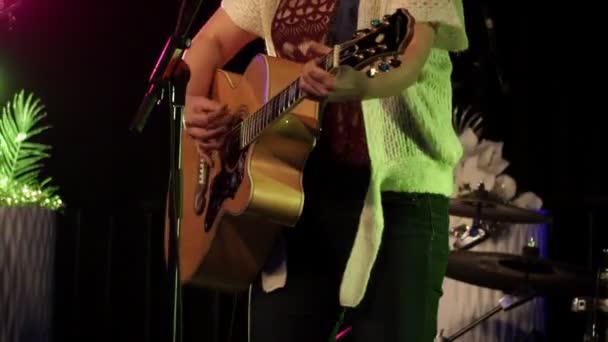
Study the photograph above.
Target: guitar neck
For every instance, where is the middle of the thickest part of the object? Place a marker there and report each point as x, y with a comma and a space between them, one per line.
252, 126
387, 38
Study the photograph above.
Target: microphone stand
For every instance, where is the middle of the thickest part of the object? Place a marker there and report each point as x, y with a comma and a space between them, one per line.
503, 83
170, 76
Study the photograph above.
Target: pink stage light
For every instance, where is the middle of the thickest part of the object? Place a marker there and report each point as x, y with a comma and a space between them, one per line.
8, 6
7, 11
343, 333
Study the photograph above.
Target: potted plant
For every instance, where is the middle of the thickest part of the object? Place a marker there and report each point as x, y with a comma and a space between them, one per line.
28, 205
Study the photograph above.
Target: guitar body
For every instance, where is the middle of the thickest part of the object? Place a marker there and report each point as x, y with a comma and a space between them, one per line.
233, 212
229, 226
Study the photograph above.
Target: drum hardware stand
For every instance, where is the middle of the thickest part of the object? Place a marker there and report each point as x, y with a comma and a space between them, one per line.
506, 303
479, 231
596, 307
469, 237
592, 306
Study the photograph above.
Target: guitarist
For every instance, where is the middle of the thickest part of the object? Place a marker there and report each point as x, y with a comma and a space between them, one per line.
373, 237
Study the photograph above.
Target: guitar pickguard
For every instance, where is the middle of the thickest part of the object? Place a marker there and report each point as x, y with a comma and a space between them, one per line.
225, 185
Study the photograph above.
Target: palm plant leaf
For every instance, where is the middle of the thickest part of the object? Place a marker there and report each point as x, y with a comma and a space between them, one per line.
19, 158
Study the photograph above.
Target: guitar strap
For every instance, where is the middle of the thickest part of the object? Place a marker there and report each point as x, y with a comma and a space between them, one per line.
344, 22
342, 27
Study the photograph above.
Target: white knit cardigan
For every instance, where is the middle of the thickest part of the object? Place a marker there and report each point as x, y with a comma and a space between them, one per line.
411, 141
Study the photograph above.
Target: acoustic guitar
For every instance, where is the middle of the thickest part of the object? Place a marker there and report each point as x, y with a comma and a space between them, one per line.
234, 209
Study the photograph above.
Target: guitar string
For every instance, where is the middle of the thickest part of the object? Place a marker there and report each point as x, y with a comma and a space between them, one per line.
261, 117
266, 112
264, 115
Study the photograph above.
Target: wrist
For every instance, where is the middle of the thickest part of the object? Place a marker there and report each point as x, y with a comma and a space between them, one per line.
203, 59
350, 85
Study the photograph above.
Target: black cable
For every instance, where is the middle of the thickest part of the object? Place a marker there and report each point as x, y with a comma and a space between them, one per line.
231, 328
180, 17
193, 19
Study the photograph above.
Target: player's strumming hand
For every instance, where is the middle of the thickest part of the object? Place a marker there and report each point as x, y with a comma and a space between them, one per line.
208, 123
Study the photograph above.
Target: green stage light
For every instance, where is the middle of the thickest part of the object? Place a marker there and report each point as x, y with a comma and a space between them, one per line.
2, 82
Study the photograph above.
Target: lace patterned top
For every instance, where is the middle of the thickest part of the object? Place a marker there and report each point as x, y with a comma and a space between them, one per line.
412, 144
296, 23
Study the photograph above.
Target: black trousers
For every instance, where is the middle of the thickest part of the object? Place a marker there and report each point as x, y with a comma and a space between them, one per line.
400, 304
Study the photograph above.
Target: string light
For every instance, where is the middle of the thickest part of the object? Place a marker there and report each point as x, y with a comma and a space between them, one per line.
19, 195
20, 159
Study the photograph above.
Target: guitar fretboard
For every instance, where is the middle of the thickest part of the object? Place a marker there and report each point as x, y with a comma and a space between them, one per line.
252, 126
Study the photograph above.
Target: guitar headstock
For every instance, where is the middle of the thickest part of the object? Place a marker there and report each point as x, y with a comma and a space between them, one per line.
383, 42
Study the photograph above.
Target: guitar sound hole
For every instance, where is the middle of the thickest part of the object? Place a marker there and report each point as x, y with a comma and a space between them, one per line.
226, 183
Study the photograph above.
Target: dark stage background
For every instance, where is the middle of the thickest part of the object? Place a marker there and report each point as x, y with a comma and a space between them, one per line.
89, 63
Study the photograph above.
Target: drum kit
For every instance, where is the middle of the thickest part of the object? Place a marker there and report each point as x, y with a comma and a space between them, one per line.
520, 277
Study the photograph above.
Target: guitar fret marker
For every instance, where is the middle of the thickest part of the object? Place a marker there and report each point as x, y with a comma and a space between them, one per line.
336, 56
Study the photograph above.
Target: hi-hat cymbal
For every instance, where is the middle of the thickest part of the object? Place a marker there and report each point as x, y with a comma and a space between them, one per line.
487, 206
509, 272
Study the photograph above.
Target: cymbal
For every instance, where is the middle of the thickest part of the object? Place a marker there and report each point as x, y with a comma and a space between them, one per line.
509, 272
487, 206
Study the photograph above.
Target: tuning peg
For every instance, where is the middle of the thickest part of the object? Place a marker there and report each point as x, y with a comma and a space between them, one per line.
395, 63
376, 23
384, 67
372, 72
361, 32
